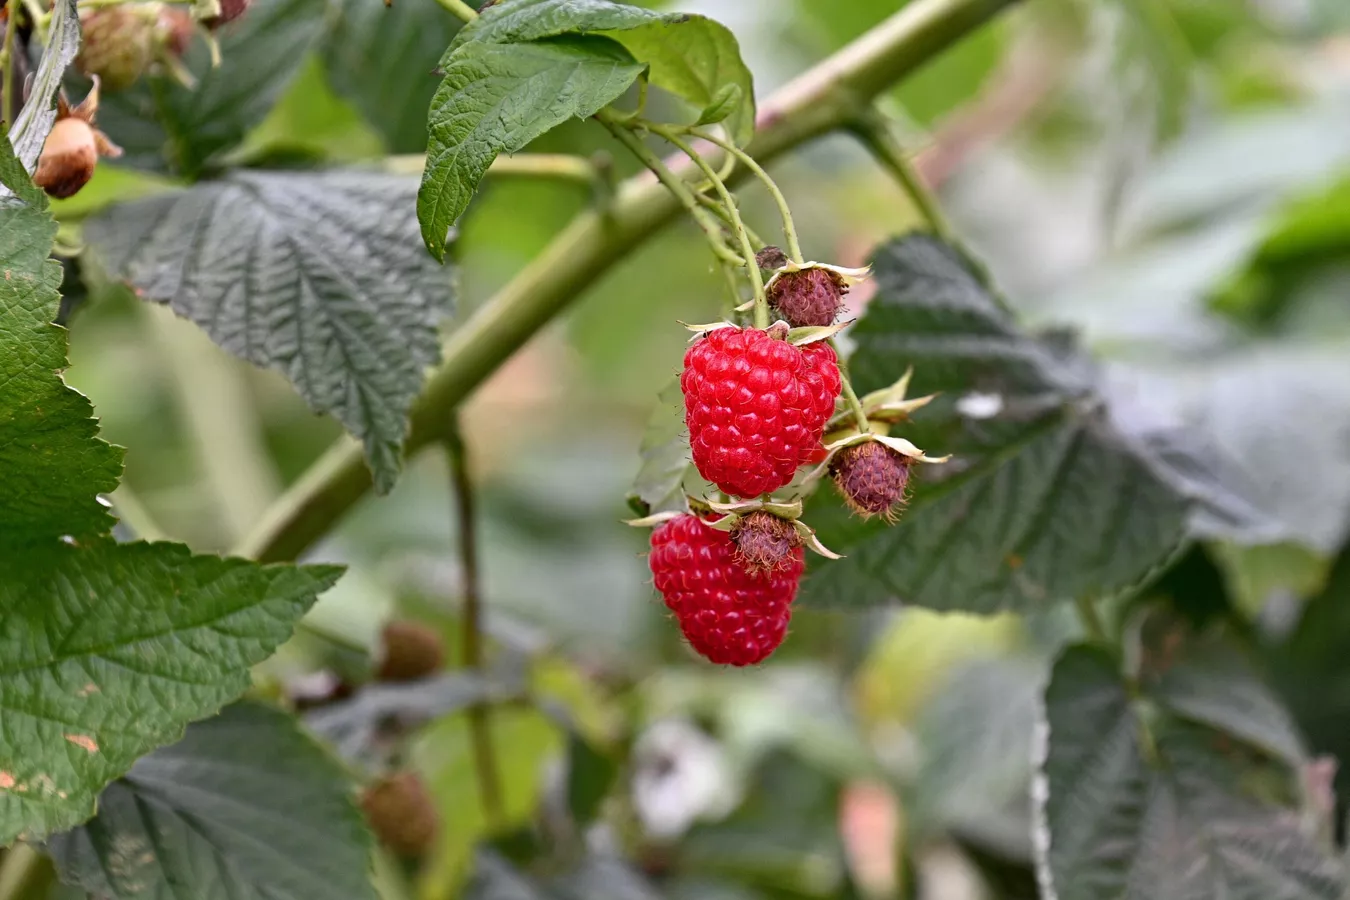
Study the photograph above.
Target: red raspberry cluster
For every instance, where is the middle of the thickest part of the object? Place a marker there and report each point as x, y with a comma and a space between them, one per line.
756, 407
730, 613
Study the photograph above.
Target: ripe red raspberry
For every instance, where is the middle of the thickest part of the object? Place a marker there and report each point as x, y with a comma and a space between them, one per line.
873, 478
811, 296
729, 615
756, 407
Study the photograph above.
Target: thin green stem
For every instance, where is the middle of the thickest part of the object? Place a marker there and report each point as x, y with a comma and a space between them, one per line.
560, 166
850, 395
823, 100
677, 186
459, 9
728, 201
717, 209
25, 874
127, 506
877, 134
7, 67
1091, 620
794, 247
480, 723
733, 292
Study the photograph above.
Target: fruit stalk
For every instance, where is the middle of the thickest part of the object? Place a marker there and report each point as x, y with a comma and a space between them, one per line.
480, 725
878, 136
825, 99
459, 9
794, 247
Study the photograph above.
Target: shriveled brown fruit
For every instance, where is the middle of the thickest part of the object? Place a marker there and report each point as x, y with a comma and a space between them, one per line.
873, 479
409, 651
765, 542
73, 146
402, 813
813, 296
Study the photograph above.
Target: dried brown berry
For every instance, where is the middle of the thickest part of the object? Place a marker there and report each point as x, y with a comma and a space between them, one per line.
813, 296
410, 651
771, 258
229, 11
765, 542
402, 813
73, 146
873, 478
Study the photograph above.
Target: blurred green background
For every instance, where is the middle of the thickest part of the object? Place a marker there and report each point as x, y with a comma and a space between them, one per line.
1169, 177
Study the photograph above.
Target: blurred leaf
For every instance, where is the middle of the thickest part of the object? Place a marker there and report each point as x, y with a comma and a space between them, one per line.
1255, 575
590, 775
383, 59
38, 114
1152, 47
666, 463
108, 650
1139, 805
1045, 499
159, 120
594, 878
691, 56
545, 84
245, 806
317, 274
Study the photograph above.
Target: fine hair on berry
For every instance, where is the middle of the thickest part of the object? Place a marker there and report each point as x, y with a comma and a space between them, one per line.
765, 542
729, 614
873, 479
813, 296
756, 407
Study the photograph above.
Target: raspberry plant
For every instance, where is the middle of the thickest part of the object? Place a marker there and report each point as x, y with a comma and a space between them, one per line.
847, 438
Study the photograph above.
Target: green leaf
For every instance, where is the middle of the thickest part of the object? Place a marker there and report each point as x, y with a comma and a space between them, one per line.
1140, 805
691, 56
106, 651
159, 119
245, 807
383, 59
497, 98
590, 776
667, 468
1045, 499
319, 275
38, 114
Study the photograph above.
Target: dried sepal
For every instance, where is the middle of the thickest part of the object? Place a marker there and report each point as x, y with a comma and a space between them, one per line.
812, 542
810, 334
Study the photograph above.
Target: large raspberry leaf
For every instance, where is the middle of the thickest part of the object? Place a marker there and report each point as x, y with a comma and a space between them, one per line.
107, 651
317, 274
496, 98
159, 121
245, 807
1047, 498
1138, 799
691, 56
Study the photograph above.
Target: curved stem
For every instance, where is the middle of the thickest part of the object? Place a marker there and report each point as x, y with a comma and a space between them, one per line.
878, 136
676, 185
729, 202
826, 98
459, 9
850, 395
720, 211
7, 67
480, 724
794, 248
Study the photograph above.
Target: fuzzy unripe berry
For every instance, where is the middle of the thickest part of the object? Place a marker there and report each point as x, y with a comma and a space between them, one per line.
873, 479
813, 296
410, 652
402, 813
118, 43
765, 542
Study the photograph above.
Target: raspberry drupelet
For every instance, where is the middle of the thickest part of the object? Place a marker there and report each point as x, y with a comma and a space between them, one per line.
728, 614
756, 407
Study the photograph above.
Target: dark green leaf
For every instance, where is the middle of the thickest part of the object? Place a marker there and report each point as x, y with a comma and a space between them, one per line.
1045, 499
107, 651
1139, 807
383, 59
497, 98
245, 807
590, 775
38, 114
667, 469
319, 275
690, 56
261, 53
593, 878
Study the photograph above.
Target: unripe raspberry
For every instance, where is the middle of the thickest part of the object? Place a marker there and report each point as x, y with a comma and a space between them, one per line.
731, 616
873, 478
756, 407
72, 148
402, 814
229, 11
811, 296
765, 542
176, 30
410, 651
118, 43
